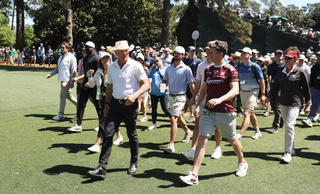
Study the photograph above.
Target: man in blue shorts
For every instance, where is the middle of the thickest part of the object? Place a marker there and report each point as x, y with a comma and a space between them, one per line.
220, 87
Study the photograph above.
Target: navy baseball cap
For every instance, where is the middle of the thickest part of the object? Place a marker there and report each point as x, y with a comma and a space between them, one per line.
200, 48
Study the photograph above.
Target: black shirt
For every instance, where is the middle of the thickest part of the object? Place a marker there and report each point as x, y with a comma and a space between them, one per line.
274, 68
315, 76
90, 62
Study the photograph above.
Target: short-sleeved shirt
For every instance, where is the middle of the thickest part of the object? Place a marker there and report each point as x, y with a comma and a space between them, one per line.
126, 81
11, 53
218, 81
274, 68
247, 78
178, 78
90, 62
193, 64
200, 71
149, 61
156, 79
167, 60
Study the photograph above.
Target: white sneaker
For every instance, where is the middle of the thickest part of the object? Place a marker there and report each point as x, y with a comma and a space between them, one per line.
170, 149
256, 135
96, 129
189, 179
187, 137
75, 128
118, 140
143, 119
189, 154
261, 107
216, 153
238, 136
94, 148
152, 127
242, 169
58, 118
286, 157
273, 130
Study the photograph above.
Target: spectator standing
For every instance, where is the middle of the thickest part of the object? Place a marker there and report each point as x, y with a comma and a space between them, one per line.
167, 58
49, 55
41, 55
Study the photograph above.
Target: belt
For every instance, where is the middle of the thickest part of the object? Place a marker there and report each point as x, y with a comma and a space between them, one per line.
173, 95
120, 101
249, 90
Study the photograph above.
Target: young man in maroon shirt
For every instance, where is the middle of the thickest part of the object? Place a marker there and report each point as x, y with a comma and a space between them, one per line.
220, 86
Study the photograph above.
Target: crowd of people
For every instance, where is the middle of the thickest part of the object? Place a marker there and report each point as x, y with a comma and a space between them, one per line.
122, 80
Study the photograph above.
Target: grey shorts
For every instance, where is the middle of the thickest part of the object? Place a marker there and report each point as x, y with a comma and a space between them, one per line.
177, 105
226, 122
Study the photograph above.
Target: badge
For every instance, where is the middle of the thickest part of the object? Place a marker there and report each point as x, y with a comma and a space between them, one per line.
205, 113
87, 74
242, 82
174, 99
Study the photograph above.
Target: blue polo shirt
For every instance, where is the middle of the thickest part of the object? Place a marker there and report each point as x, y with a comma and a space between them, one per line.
156, 79
178, 78
193, 64
246, 77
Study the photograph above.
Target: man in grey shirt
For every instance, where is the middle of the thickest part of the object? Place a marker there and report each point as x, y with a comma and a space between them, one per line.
178, 76
66, 69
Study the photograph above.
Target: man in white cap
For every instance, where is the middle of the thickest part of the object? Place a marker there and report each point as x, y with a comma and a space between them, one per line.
168, 58
41, 55
90, 62
249, 77
178, 76
254, 57
103, 51
66, 70
301, 64
125, 76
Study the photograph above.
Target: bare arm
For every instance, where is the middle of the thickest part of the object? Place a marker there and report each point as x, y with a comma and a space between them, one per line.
263, 89
132, 98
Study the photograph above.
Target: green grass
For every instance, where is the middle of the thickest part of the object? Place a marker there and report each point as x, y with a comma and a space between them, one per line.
38, 155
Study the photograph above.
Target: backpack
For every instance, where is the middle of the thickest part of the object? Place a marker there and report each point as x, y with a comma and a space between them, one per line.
254, 70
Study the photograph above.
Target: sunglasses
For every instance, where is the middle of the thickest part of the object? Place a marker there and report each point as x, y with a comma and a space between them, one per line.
217, 44
63, 47
288, 58
157, 61
235, 58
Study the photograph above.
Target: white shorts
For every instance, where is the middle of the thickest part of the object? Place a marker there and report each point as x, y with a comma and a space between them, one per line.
177, 103
249, 99
226, 122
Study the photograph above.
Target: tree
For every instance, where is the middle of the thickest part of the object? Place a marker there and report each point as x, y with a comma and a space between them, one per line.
165, 22
273, 7
7, 38
29, 36
255, 6
68, 18
312, 15
20, 24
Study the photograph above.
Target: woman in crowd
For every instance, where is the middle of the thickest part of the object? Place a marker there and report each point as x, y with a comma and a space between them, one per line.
293, 84
100, 79
156, 72
267, 61
142, 105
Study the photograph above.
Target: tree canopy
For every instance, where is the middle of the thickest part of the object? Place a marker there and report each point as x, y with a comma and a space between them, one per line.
7, 36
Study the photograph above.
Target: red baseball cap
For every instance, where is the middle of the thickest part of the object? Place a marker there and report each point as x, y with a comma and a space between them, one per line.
291, 54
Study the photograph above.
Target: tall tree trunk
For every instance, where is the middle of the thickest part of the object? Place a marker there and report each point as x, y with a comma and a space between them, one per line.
165, 23
68, 17
20, 25
13, 9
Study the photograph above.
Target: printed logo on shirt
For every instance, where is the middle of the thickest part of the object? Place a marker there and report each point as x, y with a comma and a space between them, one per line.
214, 81
215, 72
222, 73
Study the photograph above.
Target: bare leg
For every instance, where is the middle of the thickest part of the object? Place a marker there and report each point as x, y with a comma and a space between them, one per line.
254, 120
199, 155
237, 147
196, 133
98, 142
183, 124
174, 128
218, 136
118, 134
246, 120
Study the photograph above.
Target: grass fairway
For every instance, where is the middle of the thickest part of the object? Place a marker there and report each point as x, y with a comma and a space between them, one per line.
38, 155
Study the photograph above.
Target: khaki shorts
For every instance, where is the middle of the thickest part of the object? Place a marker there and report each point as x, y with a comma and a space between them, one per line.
249, 99
177, 105
226, 122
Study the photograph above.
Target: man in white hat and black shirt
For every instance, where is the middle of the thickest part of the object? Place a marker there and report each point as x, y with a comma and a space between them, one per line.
90, 62
125, 76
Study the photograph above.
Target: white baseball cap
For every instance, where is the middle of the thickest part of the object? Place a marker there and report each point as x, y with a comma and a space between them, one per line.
302, 57
180, 49
246, 50
90, 44
140, 55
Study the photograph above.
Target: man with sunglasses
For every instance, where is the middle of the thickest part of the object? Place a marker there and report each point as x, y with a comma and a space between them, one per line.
90, 62
219, 87
168, 58
273, 69
315, 92
66, 70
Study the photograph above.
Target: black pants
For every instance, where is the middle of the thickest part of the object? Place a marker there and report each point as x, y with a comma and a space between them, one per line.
164, 106
84, 95
49, 61
275, 105
117, 113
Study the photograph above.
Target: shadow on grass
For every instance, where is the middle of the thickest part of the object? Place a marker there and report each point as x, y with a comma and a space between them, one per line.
160, 174
308, 155
49, 117
61, 130
80, 170
313, 138
24, 68
260, 155
152, 146
72, 147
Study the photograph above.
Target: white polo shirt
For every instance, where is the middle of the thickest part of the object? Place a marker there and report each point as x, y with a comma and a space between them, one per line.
126, 81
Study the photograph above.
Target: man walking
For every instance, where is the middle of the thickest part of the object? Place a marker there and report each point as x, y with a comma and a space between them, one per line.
220, 86
249, 73
49, 54
178, 76
124, 78
66, 69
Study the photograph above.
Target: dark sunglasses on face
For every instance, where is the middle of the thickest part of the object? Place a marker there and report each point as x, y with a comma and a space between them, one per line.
288, 58
235, 58
157, 61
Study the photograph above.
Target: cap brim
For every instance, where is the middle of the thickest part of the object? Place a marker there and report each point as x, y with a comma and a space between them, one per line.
113, 49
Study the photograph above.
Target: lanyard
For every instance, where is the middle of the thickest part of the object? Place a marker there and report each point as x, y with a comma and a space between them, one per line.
60, 61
